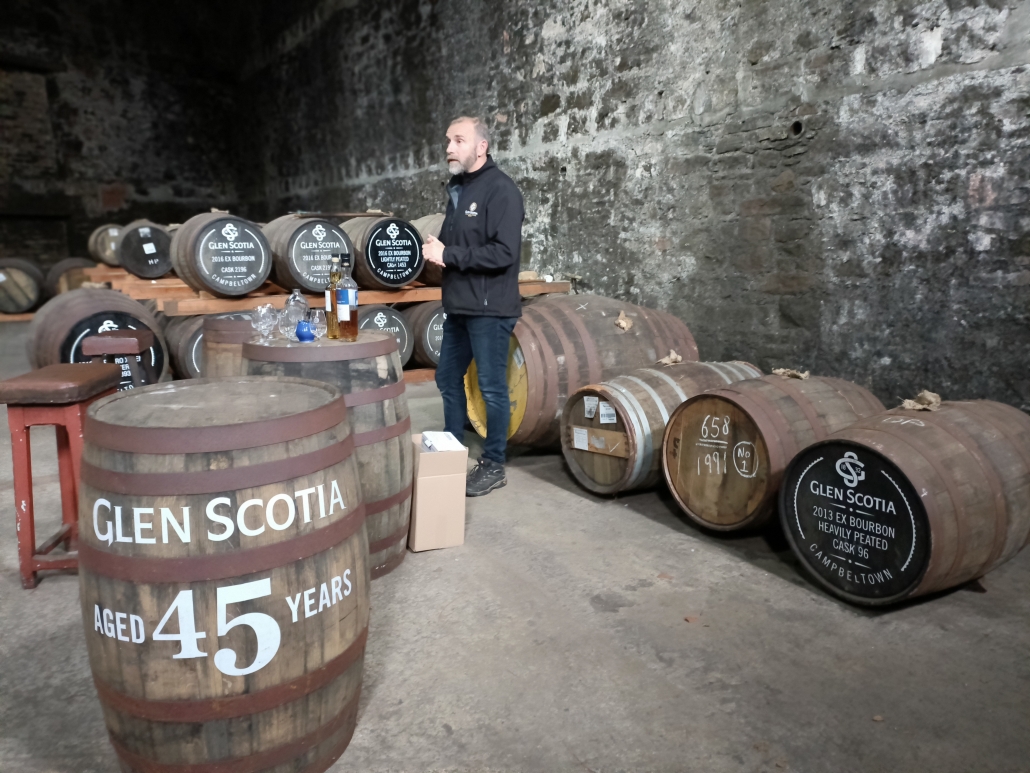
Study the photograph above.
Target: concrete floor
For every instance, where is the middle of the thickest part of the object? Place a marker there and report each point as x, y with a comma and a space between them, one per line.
585, 634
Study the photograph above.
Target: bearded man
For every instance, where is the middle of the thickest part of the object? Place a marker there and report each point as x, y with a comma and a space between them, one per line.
479, 247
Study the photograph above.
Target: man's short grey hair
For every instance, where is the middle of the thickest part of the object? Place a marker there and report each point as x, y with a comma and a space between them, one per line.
482, 133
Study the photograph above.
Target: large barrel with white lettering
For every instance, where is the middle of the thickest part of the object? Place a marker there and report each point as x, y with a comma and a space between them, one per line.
387, 252
185, 337
142, 249
303, 249
368, 372
724, 451
383, 319
223, 574
426, 323
611, 433
907, 503
221, 254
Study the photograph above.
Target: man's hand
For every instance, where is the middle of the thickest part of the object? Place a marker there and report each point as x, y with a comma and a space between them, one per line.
432, 250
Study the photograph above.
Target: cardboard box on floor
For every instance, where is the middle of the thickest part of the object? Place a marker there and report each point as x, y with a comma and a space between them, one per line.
438, 500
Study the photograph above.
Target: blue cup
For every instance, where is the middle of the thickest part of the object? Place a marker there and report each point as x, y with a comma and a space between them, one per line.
304, 332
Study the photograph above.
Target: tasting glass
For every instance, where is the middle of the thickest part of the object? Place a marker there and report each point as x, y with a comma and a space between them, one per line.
316, 317
264, 319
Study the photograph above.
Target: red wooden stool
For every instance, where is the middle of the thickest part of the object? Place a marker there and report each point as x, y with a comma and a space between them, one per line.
58, 395
120, 343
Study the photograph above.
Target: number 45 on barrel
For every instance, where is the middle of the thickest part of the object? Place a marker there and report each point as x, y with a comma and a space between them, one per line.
264, 626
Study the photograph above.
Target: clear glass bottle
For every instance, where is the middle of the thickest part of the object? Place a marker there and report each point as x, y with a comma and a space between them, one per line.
331, 320
296, 307
347, 306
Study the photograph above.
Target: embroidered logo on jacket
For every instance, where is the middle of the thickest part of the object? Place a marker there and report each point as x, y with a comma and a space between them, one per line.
471, 211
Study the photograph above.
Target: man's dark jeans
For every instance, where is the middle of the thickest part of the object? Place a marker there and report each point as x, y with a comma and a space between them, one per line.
486, 339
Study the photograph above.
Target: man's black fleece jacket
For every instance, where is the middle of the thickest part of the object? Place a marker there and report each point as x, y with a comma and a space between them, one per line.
482, 235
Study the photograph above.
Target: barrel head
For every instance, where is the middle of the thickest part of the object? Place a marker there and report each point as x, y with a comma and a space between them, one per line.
383, 319
596, 441
152, 360
518, 391
310, 249
855, 521
232, 255
717, 463
393, 252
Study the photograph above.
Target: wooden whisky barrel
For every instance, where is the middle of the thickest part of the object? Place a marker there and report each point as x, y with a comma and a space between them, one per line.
426, 323
142, 249
60, 279
185, 337
302, 249
223, 574
427, 226
724, 451
60, 325
387, 252
906, 503
369, 374
221, 254
564, 342
222, 343
611, 433
21, 285
103, 243
383, 319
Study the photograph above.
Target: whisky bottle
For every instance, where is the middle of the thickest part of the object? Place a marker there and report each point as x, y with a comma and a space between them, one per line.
347, 306
332, 325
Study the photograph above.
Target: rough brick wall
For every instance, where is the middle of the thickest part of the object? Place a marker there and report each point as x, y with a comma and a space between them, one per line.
834, 186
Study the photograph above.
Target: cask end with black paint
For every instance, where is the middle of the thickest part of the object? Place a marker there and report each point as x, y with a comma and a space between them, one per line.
906, 503
222, 343
103, 243
185, 337
368, 373
724, 451
221, 254
387, 252
62, 323
611, 433
143, 249
564, 342
383, 319
302, 251
223, 574
426, 323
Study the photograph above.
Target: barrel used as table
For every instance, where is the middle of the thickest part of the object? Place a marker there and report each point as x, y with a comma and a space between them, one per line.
185, 337
906, 503
21, 285
369, 374
564, 342
724, 451
303, 249
223, 574
387, 252
426, 323
59, 327
430, 225
383, 319
64, 276
143, 249
103, 243
611, 433
222, 342
221, 254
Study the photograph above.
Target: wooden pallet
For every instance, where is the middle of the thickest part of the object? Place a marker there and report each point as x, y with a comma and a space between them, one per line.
26, 317
419, 375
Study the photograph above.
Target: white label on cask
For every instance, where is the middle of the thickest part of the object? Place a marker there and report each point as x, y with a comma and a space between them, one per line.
519, 358
3, 277
607, 413
149, 248
581, 438
112, 231
589, 406
144, 232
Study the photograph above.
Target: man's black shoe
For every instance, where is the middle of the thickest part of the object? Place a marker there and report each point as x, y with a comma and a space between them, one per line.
484, 478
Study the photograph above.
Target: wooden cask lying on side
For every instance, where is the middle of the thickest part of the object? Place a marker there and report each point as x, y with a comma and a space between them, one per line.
369, 374
302, 250
564, 342
21, 285
59, 327
65, 275
221, 254
724, 451
611, 433
103, 243
427, 226
387, 252
185, 337
143, 249
383, 319
223, 574
426, 323
222, 343
906, 503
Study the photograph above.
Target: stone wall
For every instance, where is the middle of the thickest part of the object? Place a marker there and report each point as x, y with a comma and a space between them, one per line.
839, 187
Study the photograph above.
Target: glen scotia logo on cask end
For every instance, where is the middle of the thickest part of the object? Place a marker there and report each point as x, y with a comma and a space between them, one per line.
230, 232
850, 469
